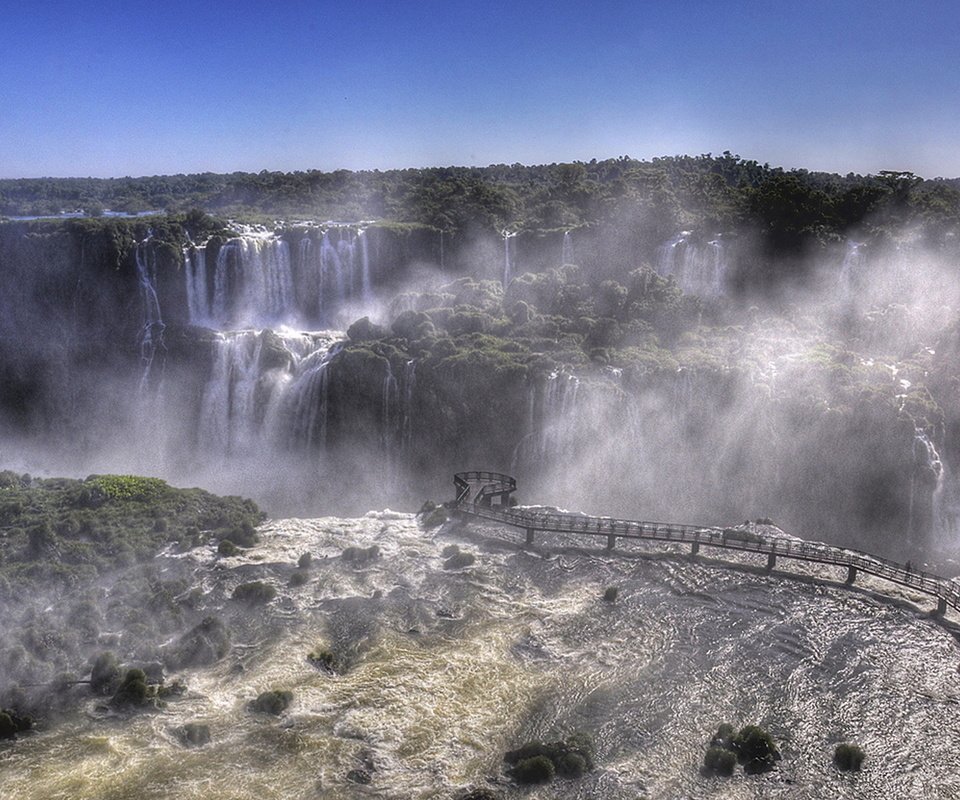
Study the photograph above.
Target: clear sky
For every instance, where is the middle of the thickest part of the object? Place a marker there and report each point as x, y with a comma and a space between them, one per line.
139, 88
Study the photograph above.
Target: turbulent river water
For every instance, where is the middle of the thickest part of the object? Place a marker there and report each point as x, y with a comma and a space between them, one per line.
444, 669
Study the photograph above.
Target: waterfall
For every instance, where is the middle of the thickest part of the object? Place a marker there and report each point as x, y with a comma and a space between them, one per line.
266, 392
508, 257
926, 465
266, 281
554, 421
389, 411
257, 282
697, 268
222, 282
566, 252
150, 338
366, 290
195, 267
850, 267
409, 385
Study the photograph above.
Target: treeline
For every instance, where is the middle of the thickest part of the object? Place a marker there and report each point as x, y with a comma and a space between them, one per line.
790, 208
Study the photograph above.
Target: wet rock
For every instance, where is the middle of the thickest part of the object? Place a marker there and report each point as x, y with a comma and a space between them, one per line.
360, 776
204, 644
275, 702
193, 734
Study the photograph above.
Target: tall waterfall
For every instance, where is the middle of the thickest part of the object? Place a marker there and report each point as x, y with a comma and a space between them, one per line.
850, 267
698, 268
509, 256
927, 472
150, 338
566, 251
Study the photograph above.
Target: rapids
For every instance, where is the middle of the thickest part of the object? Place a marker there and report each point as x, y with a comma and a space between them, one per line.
446, 669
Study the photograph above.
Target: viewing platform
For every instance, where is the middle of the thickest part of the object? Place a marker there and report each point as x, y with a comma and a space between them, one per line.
486, 495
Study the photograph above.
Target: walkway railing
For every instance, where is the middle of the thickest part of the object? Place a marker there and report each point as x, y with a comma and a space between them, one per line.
477, 489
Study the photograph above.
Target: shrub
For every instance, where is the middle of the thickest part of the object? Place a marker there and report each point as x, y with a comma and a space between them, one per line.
755, 749
243, 535
538, 769
275, 702
610, 594
132, 690
571, 765
254, 593
227, 548
105, 674
571, 758
12, 723
305, 561
299, 577
203, 644
848, 757
724, 736
719, 761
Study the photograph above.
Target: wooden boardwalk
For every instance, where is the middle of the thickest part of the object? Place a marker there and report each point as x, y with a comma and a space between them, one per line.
486, 495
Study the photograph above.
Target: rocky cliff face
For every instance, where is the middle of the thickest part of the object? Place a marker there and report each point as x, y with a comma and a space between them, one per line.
176, 347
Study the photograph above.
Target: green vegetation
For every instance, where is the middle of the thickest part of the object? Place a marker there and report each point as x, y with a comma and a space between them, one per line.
540, 762
755, 749
12, 723
790, 208
719, 761
59, 530
610, 594
275, 702
752, 747
254, 593
848, 757
132, 691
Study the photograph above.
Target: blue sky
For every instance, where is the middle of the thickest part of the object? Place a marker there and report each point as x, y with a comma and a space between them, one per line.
141, 88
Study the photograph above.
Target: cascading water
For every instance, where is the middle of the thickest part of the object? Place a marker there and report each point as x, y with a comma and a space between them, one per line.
266, 392
850, 267
566, 252
257, 281
927, 474
697, 268
509, 256
152, 327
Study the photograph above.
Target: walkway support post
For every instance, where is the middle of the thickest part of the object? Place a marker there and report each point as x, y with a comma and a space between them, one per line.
611, 541
694, 549
941, 606
771, 561
851, 574
530, 533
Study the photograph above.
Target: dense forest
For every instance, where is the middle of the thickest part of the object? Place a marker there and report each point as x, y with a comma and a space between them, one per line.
791, 208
